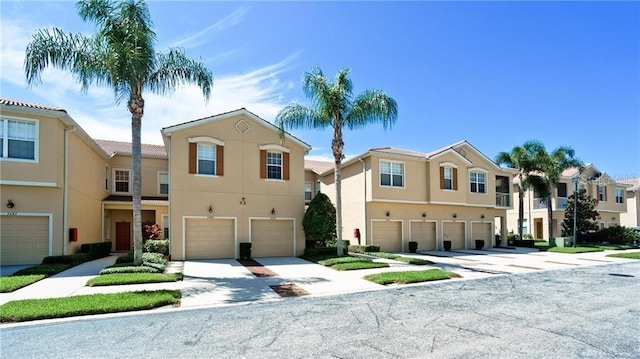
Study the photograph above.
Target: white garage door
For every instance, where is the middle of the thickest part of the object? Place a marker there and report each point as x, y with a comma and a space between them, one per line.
209, 238
425, 234
454, 232
388, 235
23, 240
481, 231
272, 238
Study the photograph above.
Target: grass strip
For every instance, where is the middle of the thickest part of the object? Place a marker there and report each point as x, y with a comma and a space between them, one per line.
572, 250
44, 269
133, 278
358, 265
35, 309
414, 261
384, 255
340, 260
632, 255
9, 284
410, 276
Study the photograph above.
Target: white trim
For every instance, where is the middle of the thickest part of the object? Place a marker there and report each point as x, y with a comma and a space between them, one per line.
198, 139
28, 183
33, 214
274, 147
107, 173
276, 219
448, 164
404, 174
267, 165
164, 223
468, 204
480, 154
453, 152
478, 169
5, 144
158, 174
113, 178
435, 225
184, 233
442, 222
389, 220
381, 200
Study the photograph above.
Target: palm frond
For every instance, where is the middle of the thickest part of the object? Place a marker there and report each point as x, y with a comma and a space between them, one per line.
298, 116
372, 106
173, 68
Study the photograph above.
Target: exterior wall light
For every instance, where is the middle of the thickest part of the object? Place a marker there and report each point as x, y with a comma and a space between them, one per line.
424, 214
210, 209
10, 204
455, 215
273, 211
388, 214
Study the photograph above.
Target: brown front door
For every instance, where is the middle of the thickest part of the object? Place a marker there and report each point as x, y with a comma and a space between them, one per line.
123, 236
538, 229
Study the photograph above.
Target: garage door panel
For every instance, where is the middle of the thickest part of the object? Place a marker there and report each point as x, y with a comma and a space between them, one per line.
272, 238
481, 231
454, 232
24, 239
425, 234
209, 238
388, 235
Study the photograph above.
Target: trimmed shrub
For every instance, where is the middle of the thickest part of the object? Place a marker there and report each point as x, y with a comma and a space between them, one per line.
314, 252
73, 259
96, 250
157, 246
363, 249
153, 258
127, 258
529, 243
245, 250
613, 235
319, 222
130, 269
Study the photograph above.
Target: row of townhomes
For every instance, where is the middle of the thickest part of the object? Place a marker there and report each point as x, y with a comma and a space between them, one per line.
231, 178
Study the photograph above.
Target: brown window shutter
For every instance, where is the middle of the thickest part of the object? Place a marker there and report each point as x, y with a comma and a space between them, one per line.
441, 177
193, 157
605, 193
263, 164
219, 160
455, 178
285, 166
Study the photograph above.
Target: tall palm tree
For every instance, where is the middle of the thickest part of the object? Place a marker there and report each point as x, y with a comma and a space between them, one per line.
525, 159
333, 105
553, 164
121, 55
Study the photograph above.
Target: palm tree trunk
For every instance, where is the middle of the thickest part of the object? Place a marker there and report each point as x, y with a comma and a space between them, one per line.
337, 147
520, 212
136, 107
550, 218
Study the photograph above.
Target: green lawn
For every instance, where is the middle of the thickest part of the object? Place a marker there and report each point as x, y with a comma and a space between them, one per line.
359, 265
35, 309
384, 255
631, 255
44, 269
9, 284
410, 276
133, 278
345, 262
329, 262
574, 250
397, 257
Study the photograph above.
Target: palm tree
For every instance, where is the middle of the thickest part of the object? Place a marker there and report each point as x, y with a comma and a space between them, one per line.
334, 106
553, 164
121, 55
525, 159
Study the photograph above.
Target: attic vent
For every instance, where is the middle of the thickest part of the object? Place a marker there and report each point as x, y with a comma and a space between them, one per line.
242, 126
462, 153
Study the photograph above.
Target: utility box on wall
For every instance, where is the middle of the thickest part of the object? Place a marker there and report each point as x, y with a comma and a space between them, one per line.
73, 234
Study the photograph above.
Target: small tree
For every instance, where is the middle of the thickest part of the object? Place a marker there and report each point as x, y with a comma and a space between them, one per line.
587, 215
319, 222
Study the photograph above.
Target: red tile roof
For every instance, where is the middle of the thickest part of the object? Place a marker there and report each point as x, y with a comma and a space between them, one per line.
124, 148
318, 166
9, 102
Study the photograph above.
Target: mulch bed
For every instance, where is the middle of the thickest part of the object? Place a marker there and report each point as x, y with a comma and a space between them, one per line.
256, 268
288, 290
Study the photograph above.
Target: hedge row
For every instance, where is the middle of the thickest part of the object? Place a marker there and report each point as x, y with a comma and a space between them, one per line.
363, 249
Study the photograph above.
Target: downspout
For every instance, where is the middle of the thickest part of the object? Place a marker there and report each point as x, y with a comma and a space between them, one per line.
65, 191
363, 231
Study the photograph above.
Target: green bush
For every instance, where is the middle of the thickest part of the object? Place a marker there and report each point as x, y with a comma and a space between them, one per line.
72, 259
96, 250
613, 235
319, 222
153, 258
127, 258
130, 269
45, 269
363, 249
245, 250
315, 252
157, 246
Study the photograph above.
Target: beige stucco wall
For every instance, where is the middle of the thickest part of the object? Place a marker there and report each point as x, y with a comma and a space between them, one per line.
150, 168
191, 195
415, 179
631, 218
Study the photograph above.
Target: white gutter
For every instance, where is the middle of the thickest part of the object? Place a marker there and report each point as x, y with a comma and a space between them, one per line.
65, 189
363, 231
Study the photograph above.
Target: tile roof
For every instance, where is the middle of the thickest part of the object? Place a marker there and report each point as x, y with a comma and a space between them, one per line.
9, 102
124, 148
398, 151
318, 166
634, 182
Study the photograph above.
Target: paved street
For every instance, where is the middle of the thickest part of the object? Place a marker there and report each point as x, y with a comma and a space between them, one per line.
586, 312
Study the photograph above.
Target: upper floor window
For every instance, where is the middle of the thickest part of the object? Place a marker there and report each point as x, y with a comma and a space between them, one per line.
308, 191
478, 182
163, 183
448, 176
274, 162
206, 156
391, 174
122, 180
562, 190
107, 171
18, 139
619, 195
602, 193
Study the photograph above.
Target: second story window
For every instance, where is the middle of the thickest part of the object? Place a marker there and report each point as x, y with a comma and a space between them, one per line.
274, 162
163, 183
448, 178
478, 182
206, 156
391, 174
308, 191
602, 193
206, 159
274, 165
619, 195
122, 179
18, 139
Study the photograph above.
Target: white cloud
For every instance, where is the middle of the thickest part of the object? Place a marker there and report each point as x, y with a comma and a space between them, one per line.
204, 35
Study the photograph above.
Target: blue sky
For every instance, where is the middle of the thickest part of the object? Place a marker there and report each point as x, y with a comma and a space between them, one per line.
493, 73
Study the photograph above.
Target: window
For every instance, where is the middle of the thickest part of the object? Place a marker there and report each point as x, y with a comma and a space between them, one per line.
448, 178
206, 159
478, 182
525, 228
602, 193
107, 171
18, 139
308, 191
163, 183
619, 195
122, 179
391, 174
165, 226
274, 165
562, 190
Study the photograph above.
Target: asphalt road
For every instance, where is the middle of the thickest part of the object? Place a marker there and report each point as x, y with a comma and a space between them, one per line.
590, 312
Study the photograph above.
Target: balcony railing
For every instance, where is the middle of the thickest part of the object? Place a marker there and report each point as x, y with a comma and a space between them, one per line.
503, 200
539, 203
